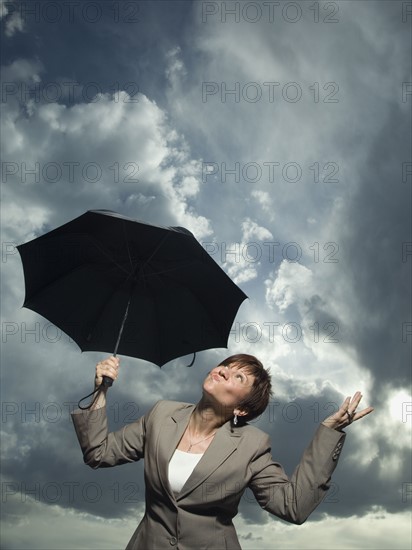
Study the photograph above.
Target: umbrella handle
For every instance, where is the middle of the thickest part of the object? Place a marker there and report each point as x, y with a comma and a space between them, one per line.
107, 382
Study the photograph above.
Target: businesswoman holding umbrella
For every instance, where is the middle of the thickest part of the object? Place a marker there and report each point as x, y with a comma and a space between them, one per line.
199, 459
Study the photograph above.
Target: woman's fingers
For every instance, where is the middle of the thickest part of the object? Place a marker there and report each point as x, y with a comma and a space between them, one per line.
353, 405
355, 401
108, 367
347, 413
362, 413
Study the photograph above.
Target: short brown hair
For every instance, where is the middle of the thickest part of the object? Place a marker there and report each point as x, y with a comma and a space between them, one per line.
258, 399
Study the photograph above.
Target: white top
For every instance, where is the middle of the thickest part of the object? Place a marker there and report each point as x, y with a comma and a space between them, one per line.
181, 465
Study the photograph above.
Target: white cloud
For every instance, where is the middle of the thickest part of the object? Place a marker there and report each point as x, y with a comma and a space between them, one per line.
393, 417
70, 528
263, 198
110, 148
376, 529
21, 70
14, 21
242, 259
251, 230
293, 283
175, 69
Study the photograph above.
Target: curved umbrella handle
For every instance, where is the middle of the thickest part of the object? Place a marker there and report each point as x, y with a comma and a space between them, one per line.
94, 393
106, 383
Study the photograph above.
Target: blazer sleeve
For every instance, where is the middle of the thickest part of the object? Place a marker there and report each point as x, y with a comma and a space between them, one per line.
295, 499
102, 449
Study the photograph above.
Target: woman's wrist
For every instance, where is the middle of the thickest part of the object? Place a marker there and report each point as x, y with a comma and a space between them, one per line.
330, 423
100, 400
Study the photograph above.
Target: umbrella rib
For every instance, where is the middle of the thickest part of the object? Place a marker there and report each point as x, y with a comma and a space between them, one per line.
127, 244
147, 262
151, 256
109, 257
99, 246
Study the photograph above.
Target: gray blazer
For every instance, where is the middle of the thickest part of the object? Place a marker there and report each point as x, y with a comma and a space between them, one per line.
200, 516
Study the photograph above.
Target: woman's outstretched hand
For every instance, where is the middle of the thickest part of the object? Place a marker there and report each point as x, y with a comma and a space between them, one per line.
347, 413
108, 367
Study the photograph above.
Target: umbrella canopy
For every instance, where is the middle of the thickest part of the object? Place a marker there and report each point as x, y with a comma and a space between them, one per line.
115, 284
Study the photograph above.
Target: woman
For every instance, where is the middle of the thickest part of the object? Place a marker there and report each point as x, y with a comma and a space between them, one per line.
199, 459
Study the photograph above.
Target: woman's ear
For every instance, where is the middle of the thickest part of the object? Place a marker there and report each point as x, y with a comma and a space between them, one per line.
240, 412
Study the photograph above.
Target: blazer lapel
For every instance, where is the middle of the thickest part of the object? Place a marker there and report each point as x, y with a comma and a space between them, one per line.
169, 436
223, 445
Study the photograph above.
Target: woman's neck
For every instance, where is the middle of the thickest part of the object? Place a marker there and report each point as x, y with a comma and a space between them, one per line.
207, 417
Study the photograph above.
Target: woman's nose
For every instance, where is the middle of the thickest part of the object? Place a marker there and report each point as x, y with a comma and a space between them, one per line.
224, 371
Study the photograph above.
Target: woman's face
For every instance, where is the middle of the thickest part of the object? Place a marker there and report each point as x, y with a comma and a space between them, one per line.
228, 385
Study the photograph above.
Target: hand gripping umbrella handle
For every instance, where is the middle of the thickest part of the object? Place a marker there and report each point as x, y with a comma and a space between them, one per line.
106, 383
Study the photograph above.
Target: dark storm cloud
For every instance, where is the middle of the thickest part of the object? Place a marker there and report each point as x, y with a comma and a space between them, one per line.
376, 255
78, 42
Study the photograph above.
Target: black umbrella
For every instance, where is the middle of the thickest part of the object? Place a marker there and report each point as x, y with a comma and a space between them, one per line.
119, 285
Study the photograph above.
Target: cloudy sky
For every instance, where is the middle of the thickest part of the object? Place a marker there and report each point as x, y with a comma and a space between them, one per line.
279, 133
